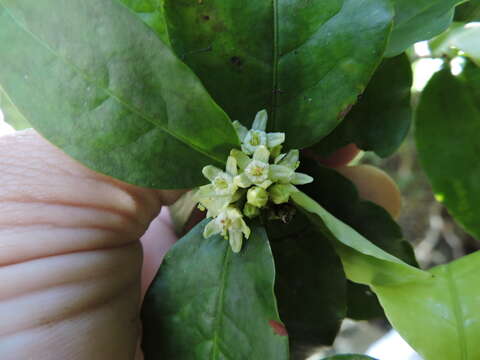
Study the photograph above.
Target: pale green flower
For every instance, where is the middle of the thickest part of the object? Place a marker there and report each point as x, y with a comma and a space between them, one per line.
257, 135
250, 211
256, 170
230, 224
283, 170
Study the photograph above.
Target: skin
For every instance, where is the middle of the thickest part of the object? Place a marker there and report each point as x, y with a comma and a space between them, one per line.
71, 274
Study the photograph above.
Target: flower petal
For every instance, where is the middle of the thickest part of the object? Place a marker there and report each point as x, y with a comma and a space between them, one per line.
242, 159
301, 179
235, 238
260, 122
212, 228
242, 181
291, 159
261, 154
231, 166
240, 129
211, 172
280, 173
275, 139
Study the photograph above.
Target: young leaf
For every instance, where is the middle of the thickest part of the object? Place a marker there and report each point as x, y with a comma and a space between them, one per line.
310, 286
209, 303
447, 130
419, 20
444, 307
152, 14
363, 262
99, 84
459, 37
304, 61
339, 196
349, 357
11, 114
381, 119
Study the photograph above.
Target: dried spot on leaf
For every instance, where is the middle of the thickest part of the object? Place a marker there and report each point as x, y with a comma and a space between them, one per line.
236, 60
278, 328
206, 17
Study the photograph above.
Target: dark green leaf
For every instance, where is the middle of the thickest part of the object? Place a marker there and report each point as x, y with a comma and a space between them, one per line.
438, 316
447, 133
469, 11
152, 13
419, 20
349, 357
381, 119
100, 84
209, 303
304, 61
11, 114
339, 196
310, 287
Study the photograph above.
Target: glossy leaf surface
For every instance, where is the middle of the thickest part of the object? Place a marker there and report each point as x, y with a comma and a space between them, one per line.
11, 114
209, 303
349, 357
459, 37
151, 12
99, 84
339, 196
447, 133
310, 287
381, 119
439, 317
363, 262
304, 61
419, 20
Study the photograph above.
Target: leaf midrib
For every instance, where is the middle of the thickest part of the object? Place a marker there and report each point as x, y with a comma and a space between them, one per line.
108, 91
457, 312
220, 304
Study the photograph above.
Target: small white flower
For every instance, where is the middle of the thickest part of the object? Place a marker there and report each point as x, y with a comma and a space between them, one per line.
222, 181
283, 171
230, 224
257, 135
256, 171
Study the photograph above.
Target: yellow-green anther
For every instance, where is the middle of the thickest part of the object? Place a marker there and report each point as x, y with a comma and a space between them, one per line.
257, 196
250, 211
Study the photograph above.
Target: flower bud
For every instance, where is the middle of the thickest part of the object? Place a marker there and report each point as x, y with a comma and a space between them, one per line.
257, 196
250, 211
280, 193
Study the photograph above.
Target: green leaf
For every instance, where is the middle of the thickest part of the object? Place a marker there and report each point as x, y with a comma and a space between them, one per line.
349, 357
310, 287
438, 316
10, 112
363, 262
459, 37
99, 84
152, 14
339, 196
468, 11
447, 130
209, 303
381, 119
419, 20
304, 61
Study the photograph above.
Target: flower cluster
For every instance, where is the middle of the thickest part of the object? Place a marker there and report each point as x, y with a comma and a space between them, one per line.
255, 176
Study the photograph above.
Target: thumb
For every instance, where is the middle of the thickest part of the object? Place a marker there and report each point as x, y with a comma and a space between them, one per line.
70, 259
